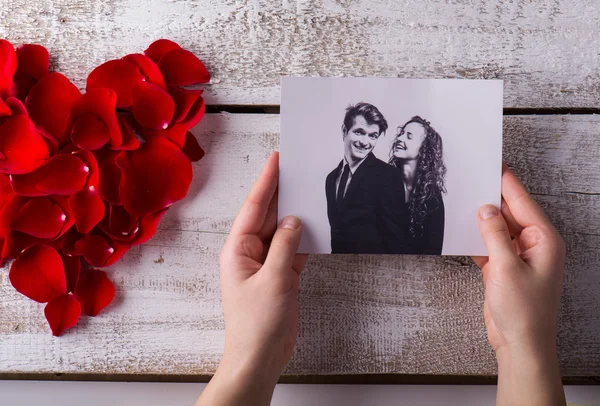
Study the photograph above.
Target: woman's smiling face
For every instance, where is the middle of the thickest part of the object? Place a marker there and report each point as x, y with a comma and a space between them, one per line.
408, 141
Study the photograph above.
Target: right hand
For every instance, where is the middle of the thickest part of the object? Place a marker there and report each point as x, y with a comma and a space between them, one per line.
523, 274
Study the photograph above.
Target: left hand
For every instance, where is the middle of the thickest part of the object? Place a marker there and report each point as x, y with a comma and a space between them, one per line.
260, 275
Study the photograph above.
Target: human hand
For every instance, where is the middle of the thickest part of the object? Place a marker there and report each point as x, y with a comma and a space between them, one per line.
523, 282
260, 275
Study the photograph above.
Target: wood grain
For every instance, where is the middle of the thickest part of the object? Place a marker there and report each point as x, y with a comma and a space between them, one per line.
359, 314
545, 50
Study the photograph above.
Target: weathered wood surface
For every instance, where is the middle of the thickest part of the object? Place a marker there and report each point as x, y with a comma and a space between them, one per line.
546, 51
359, 314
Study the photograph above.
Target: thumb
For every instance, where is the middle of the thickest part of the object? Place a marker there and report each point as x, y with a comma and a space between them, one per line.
284, 244
494, 231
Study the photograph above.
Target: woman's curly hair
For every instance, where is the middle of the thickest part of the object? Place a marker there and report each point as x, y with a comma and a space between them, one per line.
429, 178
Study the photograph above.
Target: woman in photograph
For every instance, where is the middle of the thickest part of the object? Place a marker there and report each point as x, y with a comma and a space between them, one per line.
417, 151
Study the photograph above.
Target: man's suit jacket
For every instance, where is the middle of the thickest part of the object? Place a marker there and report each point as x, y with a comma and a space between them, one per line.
373, 216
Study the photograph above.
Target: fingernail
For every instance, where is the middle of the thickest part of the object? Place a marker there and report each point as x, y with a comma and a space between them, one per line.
487, 212
290, 222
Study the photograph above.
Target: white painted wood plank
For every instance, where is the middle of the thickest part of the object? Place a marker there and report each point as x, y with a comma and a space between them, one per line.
546, 51
359, 314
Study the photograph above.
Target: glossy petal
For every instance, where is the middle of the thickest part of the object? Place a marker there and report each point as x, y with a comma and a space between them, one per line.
130, 141
34, 60
148, 226
49, 103
69, 244
153, 177
94, 291
110, 179
160, 48
95, 249
22, 149
184, 100
90, 161
38, 273
62, 313
118, 75
89, 132
101, 103
62, 174
177, 132
152, 106
182, 68
72, 270
41, 218
6, 190
8, 67
192, 149
148, 68
87, 207
121, 223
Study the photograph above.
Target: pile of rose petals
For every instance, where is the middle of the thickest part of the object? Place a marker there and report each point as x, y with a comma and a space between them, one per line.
84, 177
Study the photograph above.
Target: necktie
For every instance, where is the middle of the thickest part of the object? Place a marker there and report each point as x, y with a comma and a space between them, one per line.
342, 186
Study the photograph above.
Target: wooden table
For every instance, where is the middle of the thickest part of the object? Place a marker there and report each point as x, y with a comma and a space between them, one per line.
367, 318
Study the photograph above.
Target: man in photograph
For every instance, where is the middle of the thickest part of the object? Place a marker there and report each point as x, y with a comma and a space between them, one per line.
365, 196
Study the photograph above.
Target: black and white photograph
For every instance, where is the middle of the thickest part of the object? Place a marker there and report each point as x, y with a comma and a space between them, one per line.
390, 166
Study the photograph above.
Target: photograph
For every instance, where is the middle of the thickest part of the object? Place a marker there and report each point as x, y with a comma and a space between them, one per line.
390, 166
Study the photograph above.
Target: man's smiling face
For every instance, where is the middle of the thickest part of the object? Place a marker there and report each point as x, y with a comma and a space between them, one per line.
360, 139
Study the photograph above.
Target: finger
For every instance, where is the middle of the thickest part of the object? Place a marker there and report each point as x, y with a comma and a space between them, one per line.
270, 224
514, 228
284, 244
480, 261
524, 209
494, 232
252, 215
299, 262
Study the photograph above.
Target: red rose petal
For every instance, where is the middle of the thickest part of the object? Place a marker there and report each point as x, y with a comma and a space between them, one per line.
95, 249
40, 217
148, 226
51, 142
23, 85
34, 60
6, 190
181, 68
118, 75
16, 242
38, 273
177, 132
62, 174
110, 179
148, 68
4, 109
120, 251
90, 161
16, 106
184, 100
22, 149
160, 48
94, 291
153, 177
62, 313
192, 149
89, 132
8, 67
87, 207
130, 141
72, 271
49, 103
121, 223
68, 244
101, 103
152, 106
